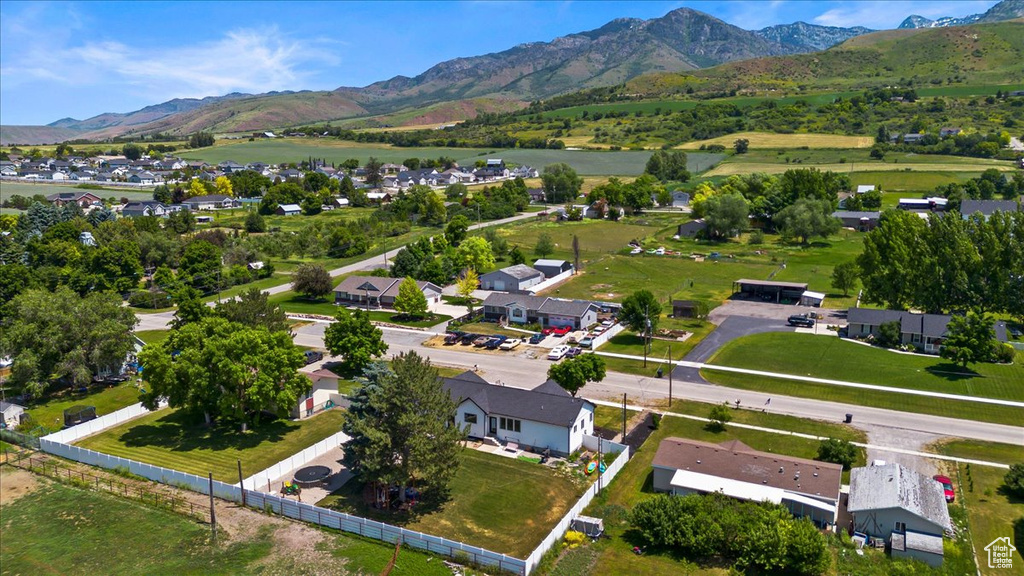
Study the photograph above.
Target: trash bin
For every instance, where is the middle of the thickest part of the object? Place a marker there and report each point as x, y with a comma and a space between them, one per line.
849, 418
658, 373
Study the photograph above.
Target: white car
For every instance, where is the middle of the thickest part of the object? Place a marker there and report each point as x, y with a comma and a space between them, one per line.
660, 251
558, 352
510, 344
607, 323
636, 251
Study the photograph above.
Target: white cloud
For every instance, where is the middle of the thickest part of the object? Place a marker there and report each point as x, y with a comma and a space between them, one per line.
243, 60
884, 14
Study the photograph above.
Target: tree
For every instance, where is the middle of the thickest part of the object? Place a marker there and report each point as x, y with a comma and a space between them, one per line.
741, 145
969, 339
132, 151
410, 300
63, 336
201, 140
456, 191
889, 334
837, 451
665, 166
465, 285
544, 246
641, 312
196, 188
1014, 480
353, 337
223, 369
476, 253
726, 215
575, 252
394, 440
189, 306
254, 222
844, 277
892, 253
719, 416
373, 175
807, 218
561, 183
312, 281
456, 230
181, 222
574, 373
499, 245
223, 186
200, 262
253, 308
516, 256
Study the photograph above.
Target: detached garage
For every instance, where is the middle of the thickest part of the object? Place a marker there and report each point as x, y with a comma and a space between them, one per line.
515, 278
770, 291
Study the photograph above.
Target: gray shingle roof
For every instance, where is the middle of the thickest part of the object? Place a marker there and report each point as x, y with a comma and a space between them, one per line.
987, 207
575, 308
519, 272
844, 214
537, 405
893, 486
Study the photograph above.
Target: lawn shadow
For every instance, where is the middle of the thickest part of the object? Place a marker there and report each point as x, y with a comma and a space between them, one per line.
180, 431
1018, 533
952, 372
356, 498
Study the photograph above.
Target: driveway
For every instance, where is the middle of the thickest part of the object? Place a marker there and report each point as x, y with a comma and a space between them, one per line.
730, 329
759, 309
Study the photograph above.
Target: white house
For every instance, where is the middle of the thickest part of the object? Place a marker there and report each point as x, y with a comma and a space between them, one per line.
545, 418
808, 488
11, 414
210, 202
902, 506
322, 396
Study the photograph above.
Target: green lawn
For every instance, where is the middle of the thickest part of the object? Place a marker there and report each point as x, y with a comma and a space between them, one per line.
838, 359
263, 283
50, 413
611, 418
634, 484
235, 218
626, 342
491, 328
59, 529
498, 503
291, 302
978, 450
8, 189
152, 336
175, 440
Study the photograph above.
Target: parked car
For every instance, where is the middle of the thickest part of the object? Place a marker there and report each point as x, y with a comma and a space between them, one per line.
558, 352
452, 338
561, 330
660, 251
468, 338
313, 356
482, 341
587, 342
548, 331
801, 321
947, 487
599, 330
494, 342
574, 352
536, 338
510, 344
607, 323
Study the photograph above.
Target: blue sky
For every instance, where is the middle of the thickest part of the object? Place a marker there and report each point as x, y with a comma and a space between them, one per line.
80, 59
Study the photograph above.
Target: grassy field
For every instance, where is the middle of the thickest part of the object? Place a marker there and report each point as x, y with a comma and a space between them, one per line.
627, 342
28, 189
634, 484
915, 181
838, 359
850, 161
59, 529
291, 302
235, 218
776, 141
611, 418
624, 163
498, 503
172, 439
992, 512
152, 336
50, 413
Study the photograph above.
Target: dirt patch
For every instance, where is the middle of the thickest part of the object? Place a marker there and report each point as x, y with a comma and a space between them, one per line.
16, 483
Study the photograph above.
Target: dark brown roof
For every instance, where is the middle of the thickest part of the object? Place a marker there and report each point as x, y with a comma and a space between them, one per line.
737, 461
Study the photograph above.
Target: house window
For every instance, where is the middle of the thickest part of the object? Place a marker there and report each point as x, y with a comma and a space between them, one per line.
469, 417
591, 416
574, 427
510, 424
900, 527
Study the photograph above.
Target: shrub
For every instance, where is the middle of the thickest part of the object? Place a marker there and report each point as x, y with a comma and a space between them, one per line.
656, 421
1014, 480
573, 539
719, 417
756, 237
837, 451
1005, 354
888, 334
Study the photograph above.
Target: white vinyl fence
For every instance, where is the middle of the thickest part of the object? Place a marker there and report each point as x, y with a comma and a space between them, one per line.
294, 461
590, 443
100, 424
605, 336
551, 282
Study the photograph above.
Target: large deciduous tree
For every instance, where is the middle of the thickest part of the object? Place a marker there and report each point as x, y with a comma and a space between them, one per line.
410, 300
844, 277
561, 183
402, 429
253, 308
475, 253
312, 281
63, 336
807, 218
890, 259
726, 215
353, 337
223, 369
574, 373
969, 339
640, 312
455, 232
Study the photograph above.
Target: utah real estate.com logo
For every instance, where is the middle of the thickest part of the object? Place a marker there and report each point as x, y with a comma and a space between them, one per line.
1000, 553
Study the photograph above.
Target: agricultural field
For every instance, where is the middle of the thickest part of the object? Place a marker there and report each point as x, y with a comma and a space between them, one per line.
779, 141
852, 161
625, 163
235, 218
489, 494
176, 440
27, 189
57, 529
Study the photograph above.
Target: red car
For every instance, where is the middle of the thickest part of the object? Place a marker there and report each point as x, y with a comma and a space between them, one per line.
562, 330
947, 487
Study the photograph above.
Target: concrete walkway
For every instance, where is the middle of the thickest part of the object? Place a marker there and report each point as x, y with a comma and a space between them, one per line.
875, 387
810, 436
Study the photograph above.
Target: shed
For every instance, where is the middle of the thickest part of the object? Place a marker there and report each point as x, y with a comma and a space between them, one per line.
12, 414
692, 228
809, 298
288, 210
78, 414
770, 289
684, 308
552, 268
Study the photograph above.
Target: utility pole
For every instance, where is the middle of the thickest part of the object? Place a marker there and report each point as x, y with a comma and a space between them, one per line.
647, 330
623, 416
671, 365
241, 481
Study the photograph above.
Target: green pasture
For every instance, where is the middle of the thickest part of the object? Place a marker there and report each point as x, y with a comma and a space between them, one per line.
28, 189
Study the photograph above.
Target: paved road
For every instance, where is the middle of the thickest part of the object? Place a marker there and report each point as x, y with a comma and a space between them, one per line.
522, 371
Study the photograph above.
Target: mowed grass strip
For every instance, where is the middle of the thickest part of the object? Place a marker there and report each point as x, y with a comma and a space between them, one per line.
177, 440
838, 359
498, 503
962, 410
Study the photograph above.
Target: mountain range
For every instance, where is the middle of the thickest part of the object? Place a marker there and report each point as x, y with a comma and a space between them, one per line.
613, 54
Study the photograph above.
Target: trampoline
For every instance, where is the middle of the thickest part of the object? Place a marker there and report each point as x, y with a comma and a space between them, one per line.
311, 475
